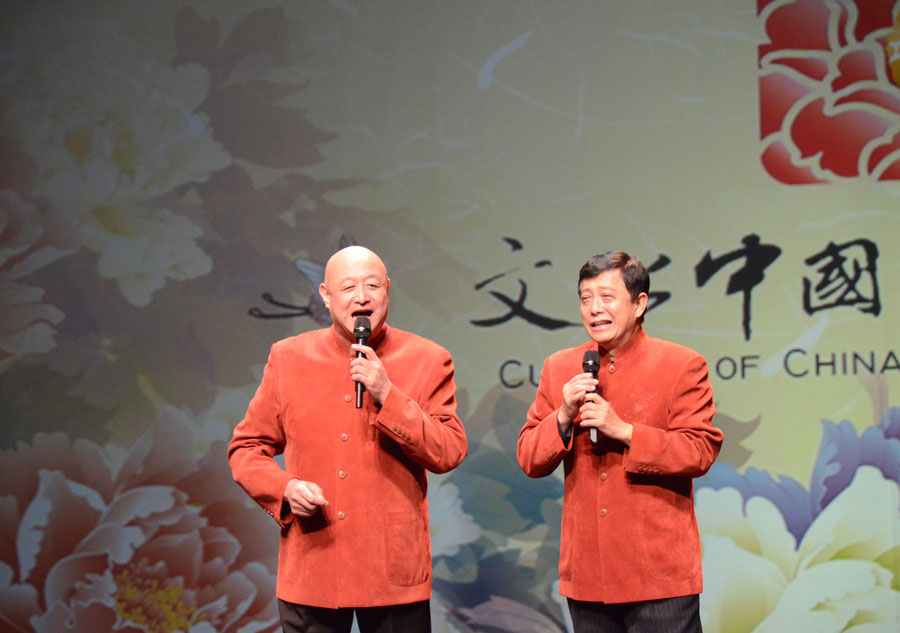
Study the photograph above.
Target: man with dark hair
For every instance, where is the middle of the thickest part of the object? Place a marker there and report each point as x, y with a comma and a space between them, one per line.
631, 440
351, 501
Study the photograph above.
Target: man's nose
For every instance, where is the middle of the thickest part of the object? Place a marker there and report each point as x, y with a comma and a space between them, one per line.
361, 296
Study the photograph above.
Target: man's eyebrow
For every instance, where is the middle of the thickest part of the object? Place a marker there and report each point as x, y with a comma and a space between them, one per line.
596, 288
377, 278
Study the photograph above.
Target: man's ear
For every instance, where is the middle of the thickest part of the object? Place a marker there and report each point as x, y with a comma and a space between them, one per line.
323, 292
641, 306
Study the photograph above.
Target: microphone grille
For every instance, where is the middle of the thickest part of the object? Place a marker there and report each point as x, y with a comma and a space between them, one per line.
363, 327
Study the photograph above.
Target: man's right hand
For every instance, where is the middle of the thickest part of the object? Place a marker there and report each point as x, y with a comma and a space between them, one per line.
304, 497
573, 393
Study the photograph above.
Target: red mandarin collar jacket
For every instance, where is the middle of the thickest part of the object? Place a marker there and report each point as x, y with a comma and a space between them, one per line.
629, 532
371, 545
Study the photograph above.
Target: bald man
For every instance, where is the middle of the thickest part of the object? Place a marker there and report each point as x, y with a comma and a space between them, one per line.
351, 501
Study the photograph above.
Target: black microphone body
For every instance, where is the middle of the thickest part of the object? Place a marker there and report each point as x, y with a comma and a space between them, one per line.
362, 330
590, 364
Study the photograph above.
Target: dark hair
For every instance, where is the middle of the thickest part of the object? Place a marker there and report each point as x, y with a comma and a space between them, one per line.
634, 274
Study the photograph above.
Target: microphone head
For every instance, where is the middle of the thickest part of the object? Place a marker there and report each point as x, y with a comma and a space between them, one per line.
362, 329
591, 361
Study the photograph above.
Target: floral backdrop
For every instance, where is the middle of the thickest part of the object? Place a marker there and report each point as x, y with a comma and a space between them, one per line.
175, 174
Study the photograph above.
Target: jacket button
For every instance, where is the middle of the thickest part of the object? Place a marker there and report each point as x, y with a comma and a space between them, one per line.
602, 476
345, 437
341, 515
603, 512
342, 474
347, 398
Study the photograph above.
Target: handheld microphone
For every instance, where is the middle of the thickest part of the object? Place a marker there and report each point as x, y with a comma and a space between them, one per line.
362, 329
590, 364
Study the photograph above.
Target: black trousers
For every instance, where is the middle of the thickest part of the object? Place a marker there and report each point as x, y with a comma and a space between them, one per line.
670, 615
398, 618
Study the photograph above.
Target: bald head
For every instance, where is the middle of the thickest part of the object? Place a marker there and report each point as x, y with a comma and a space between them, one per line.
356, 284
351, 257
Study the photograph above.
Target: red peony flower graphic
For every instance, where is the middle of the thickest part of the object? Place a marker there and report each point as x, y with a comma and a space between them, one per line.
829, 84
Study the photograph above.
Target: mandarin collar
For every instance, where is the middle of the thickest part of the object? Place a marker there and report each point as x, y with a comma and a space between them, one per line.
342, 344
628, 350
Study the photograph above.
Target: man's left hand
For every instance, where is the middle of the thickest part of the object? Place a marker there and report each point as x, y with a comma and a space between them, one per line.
599, 414
370, 372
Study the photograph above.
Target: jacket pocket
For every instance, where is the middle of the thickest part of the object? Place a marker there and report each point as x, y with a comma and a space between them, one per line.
669, 535
407, 548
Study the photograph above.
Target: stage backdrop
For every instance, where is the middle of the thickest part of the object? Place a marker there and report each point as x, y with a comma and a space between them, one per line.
175, 174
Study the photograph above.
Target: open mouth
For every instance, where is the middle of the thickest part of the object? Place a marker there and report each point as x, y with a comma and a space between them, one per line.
601, 324
359, 313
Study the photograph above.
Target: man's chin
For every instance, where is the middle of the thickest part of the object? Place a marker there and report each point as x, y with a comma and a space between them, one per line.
602, 339
375, 322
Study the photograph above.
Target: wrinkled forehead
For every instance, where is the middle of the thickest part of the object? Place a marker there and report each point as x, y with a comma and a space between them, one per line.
609, 279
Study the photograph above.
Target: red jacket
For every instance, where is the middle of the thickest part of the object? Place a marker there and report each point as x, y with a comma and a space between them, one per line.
628, 527
371, 545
